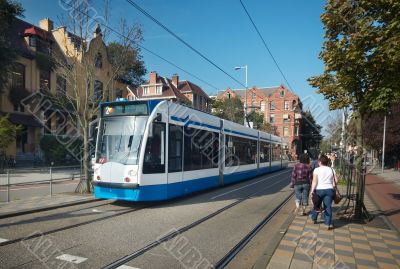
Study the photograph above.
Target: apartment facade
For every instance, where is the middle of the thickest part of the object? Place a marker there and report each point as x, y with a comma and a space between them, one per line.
33, 72
279, 106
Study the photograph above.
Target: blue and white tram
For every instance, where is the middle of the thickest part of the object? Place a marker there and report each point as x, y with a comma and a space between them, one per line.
158, 150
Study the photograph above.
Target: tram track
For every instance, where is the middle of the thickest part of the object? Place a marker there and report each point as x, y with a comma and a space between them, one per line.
127, 258
34, 235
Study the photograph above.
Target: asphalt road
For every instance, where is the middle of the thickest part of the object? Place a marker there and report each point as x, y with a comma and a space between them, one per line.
103, 233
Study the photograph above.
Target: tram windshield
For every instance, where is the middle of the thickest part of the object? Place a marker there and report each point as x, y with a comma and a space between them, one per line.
120, 139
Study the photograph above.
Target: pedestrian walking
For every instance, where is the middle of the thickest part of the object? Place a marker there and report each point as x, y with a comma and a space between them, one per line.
301, 181
324, 184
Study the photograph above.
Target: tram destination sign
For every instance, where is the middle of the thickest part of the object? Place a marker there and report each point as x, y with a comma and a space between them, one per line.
124, 109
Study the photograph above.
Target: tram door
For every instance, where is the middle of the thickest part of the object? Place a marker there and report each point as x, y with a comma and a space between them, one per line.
175, 160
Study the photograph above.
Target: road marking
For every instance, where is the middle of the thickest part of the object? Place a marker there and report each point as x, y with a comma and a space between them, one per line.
219, 195
71, 258
2, 240
126, 267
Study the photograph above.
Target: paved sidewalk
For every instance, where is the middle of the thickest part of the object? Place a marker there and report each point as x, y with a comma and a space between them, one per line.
386, 195
42, 203
349, 245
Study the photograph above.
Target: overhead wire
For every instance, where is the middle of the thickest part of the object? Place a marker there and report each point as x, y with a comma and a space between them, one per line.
141, 46
266, 46
144, 12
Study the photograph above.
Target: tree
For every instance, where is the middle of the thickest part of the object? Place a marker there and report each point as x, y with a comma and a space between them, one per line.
80, 65
130, 68
8, 133
229, 109
256, 118
310, 132
361, 53
8, 54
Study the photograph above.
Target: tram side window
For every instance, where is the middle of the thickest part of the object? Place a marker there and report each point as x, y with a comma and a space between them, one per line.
154, 157
175, 140
276, 152
264, 152
201, 149
239, 151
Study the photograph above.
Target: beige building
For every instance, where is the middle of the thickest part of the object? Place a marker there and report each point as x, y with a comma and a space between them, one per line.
34, 71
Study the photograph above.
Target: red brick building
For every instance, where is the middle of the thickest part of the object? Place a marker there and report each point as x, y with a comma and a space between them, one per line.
280, 107
184, 91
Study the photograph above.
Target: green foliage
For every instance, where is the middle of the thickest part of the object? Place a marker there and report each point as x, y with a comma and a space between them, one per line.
256, 118
229, 109
127, 62
56, 148
310, 131
361, 53
8, 10
8, 132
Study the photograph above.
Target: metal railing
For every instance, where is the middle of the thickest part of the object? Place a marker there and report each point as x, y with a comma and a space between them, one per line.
73, 175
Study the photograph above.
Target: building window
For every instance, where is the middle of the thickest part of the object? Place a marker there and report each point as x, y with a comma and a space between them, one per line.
118, 93
98, 60
146, 90
98, 91
286, 105
272, 118
44, 80
272, 105
262, 106
18, 84
159, 89
294, 105
195, 100
285, 131
229, 95
286, 118
254, 95
61, 85
282, 93
32, 41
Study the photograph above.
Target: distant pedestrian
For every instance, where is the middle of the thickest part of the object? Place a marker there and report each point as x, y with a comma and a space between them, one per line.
324, 184
301, 181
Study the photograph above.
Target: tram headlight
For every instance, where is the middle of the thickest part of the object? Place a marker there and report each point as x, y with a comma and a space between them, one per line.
127, 179
98, 178
132, 173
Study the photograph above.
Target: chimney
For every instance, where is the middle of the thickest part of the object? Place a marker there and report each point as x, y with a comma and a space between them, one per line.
175, 80
46, 24
153, 77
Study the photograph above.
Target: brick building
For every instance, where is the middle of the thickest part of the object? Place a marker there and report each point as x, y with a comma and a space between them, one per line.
280, 107
184, 91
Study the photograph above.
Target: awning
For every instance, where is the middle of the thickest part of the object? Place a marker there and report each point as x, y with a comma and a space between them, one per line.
27, 120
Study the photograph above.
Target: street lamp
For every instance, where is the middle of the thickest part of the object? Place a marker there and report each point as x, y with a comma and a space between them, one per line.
245, 102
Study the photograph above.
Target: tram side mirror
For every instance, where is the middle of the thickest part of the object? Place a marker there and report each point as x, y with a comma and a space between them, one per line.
158, 118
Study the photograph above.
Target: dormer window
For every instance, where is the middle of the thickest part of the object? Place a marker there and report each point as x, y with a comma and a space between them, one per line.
145, 90
33, 41
159, 89
98, 61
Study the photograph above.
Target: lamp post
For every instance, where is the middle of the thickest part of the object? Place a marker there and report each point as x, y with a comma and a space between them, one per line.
383, 146
245, 102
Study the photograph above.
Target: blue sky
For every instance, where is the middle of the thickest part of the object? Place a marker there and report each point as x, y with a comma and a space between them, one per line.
221, 30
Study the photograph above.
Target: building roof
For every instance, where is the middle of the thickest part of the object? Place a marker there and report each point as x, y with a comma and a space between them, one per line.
169, 90
16, 36
185, 86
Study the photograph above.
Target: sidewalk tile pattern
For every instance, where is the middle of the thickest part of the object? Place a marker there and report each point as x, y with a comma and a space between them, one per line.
308, 245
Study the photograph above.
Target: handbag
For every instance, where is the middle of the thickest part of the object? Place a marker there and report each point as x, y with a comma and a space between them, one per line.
337, 196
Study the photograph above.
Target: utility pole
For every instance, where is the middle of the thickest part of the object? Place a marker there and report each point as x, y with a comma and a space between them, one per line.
246, 122
383, 146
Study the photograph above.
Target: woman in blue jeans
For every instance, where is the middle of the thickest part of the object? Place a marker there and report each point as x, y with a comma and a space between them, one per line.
301, 180
324, 184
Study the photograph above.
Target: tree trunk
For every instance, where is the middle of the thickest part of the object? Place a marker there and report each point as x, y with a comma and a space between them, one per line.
86, 159
359, 166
